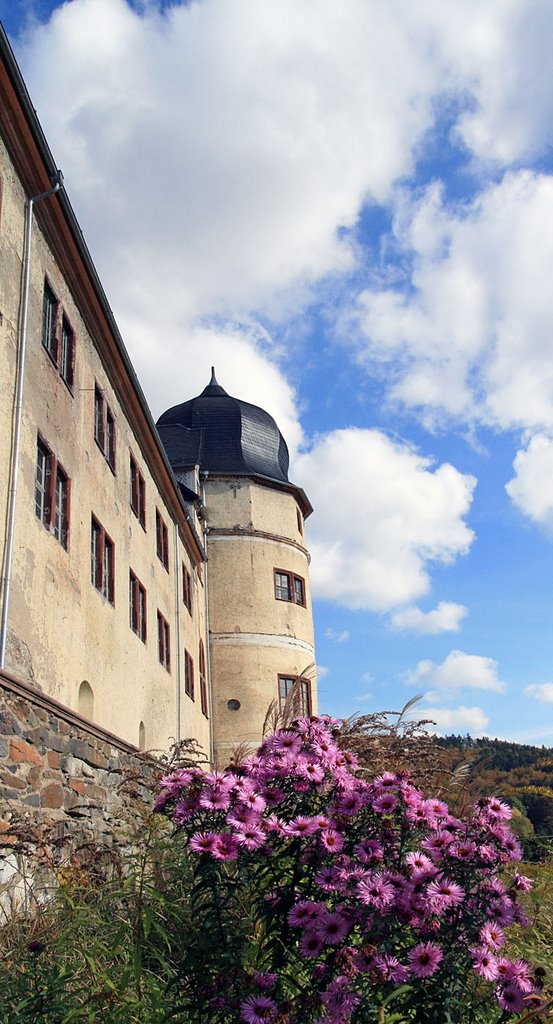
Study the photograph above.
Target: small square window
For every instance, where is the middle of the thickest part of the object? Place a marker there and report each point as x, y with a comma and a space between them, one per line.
289, 587
299, 689
52, 494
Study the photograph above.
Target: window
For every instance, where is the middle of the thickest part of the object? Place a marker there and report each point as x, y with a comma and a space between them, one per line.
188, 675
110, 438
162, 540
67, 358
52, 494
187, 588
301, 688
289, 587
49, 322
300, 520
203, 682
99, 419
137, 606
104, 427
102, 561
138, 493
86, 700
163, 641
58, 337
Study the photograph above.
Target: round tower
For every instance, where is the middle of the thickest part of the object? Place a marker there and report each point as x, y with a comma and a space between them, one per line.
259, 598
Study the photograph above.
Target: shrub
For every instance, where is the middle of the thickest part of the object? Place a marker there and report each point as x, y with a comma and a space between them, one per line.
327, 898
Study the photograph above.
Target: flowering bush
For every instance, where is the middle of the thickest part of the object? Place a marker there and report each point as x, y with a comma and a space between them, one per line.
326, 897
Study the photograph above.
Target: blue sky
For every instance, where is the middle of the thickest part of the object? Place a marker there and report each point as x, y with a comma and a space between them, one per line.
347, 206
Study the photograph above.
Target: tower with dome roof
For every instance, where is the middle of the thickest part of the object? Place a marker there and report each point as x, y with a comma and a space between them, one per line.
231, 461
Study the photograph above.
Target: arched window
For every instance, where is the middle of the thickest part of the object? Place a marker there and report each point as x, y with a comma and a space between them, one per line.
86, 700
203, 683
142, 736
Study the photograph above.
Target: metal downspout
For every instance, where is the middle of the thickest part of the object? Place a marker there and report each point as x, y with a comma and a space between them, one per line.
179, 666
16, 435
208, 630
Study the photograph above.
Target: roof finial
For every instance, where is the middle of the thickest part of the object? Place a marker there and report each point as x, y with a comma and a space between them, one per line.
213, 377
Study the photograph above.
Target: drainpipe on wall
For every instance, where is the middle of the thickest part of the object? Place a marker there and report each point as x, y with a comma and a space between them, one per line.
208, 631
16, 435
177, 602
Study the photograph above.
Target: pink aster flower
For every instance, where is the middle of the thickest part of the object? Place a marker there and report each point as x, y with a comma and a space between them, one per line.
511, 998
285, 742
442, 894
391, 969
417, 861
369, 850
328, 879
274, 796
226, 847
387, 780
311, 943
464, 850
301, 826
425, 959
215, 799
309, 769
485, 964
513, 848
376, 891
242, 815
349, 804
306, 912
492, 935
331, 840
258, 1010
498, 809
522, 882
332, 927
385, 804
251, 837
203, 842
265, 980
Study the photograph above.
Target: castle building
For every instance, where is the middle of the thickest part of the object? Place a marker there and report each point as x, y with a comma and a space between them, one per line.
155, 580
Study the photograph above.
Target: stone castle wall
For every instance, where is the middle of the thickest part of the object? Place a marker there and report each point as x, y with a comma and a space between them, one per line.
63, 781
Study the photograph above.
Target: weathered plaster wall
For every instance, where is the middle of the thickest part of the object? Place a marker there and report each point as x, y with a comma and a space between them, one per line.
62, 630
253, 530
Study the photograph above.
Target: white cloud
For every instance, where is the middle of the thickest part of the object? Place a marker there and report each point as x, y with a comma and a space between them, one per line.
337, 636
455, 720
469, 333
322, 671
531, 488
540, 691
385, 514
459, 671
363, 697
445, 618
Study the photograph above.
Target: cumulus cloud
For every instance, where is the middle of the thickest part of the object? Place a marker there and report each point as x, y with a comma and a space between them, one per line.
468, 334
540, 691
385, 514
459, 671
445, 618
531, 488
455, 720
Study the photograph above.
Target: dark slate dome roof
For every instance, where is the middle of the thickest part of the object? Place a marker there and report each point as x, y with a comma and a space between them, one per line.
222, 434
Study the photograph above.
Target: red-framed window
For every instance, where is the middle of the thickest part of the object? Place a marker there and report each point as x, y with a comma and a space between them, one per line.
58, 336
203, 681
104, 427
102, 560
298, 685
52, 493
187, 588
289, 587
163, 641
162, 540
137, 606
188, 675
138, 492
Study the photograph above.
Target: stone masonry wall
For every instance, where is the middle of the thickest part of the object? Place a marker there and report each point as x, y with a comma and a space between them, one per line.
63, 780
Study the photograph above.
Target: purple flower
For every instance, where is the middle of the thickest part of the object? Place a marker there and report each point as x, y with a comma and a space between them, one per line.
375, 891
265, 980
301, 826
385, 804
491, 935
391, 969
522, 882
511, 998
443, 894
305, 912
485, 963
203, 842
311, 943
332, 927
258, 1010
331, 840
251, 837
226, 847
425, 959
